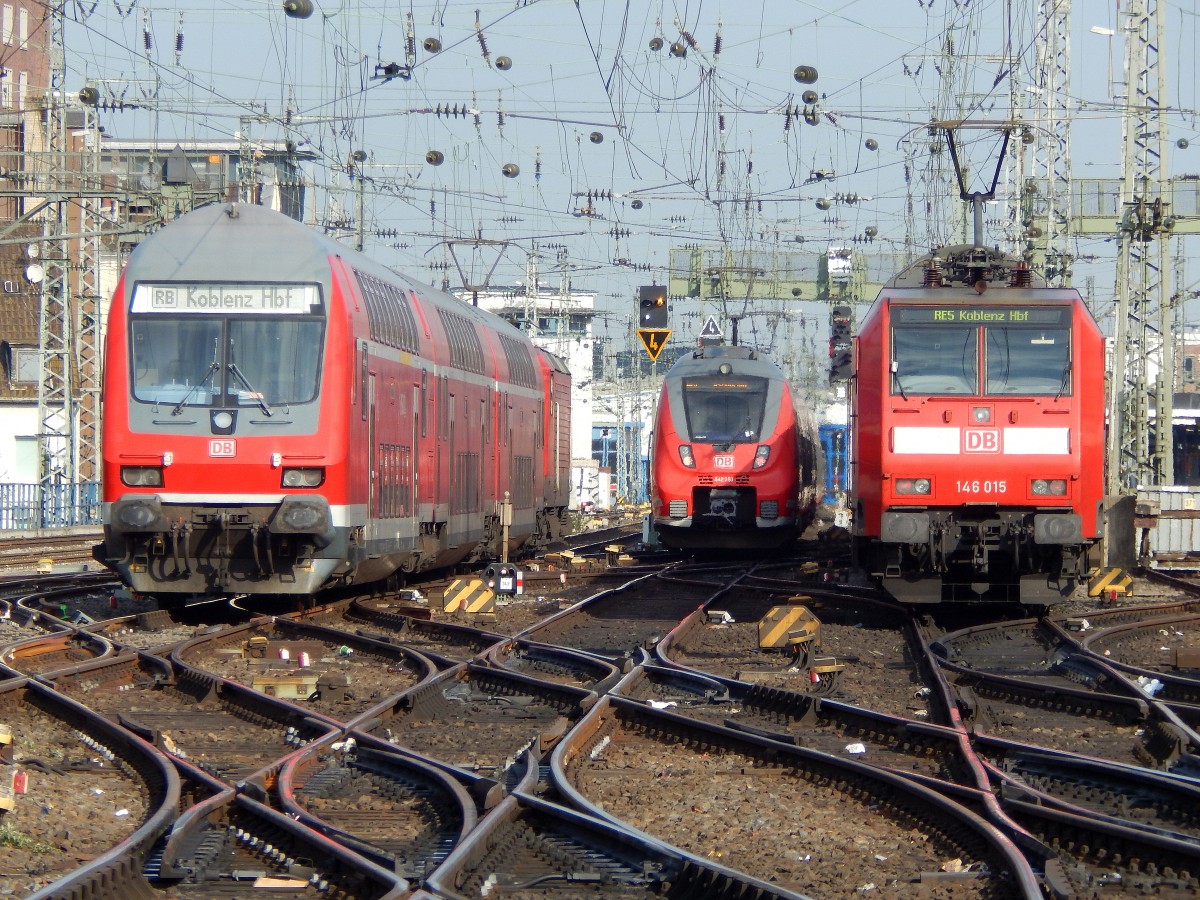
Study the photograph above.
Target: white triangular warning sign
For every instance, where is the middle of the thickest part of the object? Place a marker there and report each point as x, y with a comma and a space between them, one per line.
711, 329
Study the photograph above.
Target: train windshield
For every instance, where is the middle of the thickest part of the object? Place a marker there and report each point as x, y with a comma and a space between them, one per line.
944, 351
725, 410
1028, 361
938, 360
213, 360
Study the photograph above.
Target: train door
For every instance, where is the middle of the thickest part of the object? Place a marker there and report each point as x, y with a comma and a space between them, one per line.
440, 491
456, 482
487, 453
414, 474
372, 509
428, 431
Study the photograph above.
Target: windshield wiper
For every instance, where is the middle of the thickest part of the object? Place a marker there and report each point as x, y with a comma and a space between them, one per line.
1066, 377
894, 368
262, 401
194, 389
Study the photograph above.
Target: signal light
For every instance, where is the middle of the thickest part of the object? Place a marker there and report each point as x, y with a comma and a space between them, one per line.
841, 347
142, 476
1049, 487
652, 307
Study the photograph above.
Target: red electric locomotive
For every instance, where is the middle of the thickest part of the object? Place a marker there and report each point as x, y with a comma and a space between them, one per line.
282, 415
978, 432
735, 461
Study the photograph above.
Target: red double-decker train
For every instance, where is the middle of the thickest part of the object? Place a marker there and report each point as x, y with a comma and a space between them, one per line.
978, 432
283, 415
736, 461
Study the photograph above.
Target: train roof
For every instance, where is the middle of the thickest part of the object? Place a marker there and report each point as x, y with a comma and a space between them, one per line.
707, 358
239, 241
966, 264
244, 242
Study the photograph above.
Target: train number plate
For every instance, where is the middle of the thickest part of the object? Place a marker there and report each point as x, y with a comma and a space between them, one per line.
723, 461
981, 487
222, 447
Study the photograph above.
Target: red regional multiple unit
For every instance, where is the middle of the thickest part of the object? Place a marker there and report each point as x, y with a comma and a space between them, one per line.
736, 461
283, 415
978, 432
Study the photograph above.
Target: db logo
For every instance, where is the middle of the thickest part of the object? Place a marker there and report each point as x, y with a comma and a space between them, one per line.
222, 447
722, 462
979, 440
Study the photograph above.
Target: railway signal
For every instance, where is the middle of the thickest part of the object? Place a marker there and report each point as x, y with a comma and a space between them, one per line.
841, 350
652, 307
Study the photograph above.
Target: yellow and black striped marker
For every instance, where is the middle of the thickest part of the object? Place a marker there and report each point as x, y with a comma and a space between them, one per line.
787, 625
468, 595
1109, 580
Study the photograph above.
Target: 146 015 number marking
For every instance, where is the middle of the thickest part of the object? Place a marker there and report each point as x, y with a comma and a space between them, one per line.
982, 487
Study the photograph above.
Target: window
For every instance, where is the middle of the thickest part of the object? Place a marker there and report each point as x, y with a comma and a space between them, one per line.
723, 409
25, 459
6, 25
388, 311
22, 89
1028, 360
26, 365
939, 360
23, 28
6, 95
994, 351
218, 361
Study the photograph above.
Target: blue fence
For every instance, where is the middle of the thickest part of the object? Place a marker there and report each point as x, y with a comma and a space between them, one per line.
28, 506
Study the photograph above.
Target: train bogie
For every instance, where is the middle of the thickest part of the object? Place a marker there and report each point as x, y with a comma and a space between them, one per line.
282, 415
735, 458
978, 433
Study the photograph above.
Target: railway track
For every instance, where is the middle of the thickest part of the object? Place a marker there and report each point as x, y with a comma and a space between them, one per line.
682, 781
454, 757
23, 553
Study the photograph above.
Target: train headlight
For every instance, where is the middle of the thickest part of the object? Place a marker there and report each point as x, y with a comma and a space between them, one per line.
686, 457
981, 414
913, 486
1049, 487
142, 476
303, 478
761, 455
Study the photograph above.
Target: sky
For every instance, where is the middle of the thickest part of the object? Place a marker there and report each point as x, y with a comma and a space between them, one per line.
594, 137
